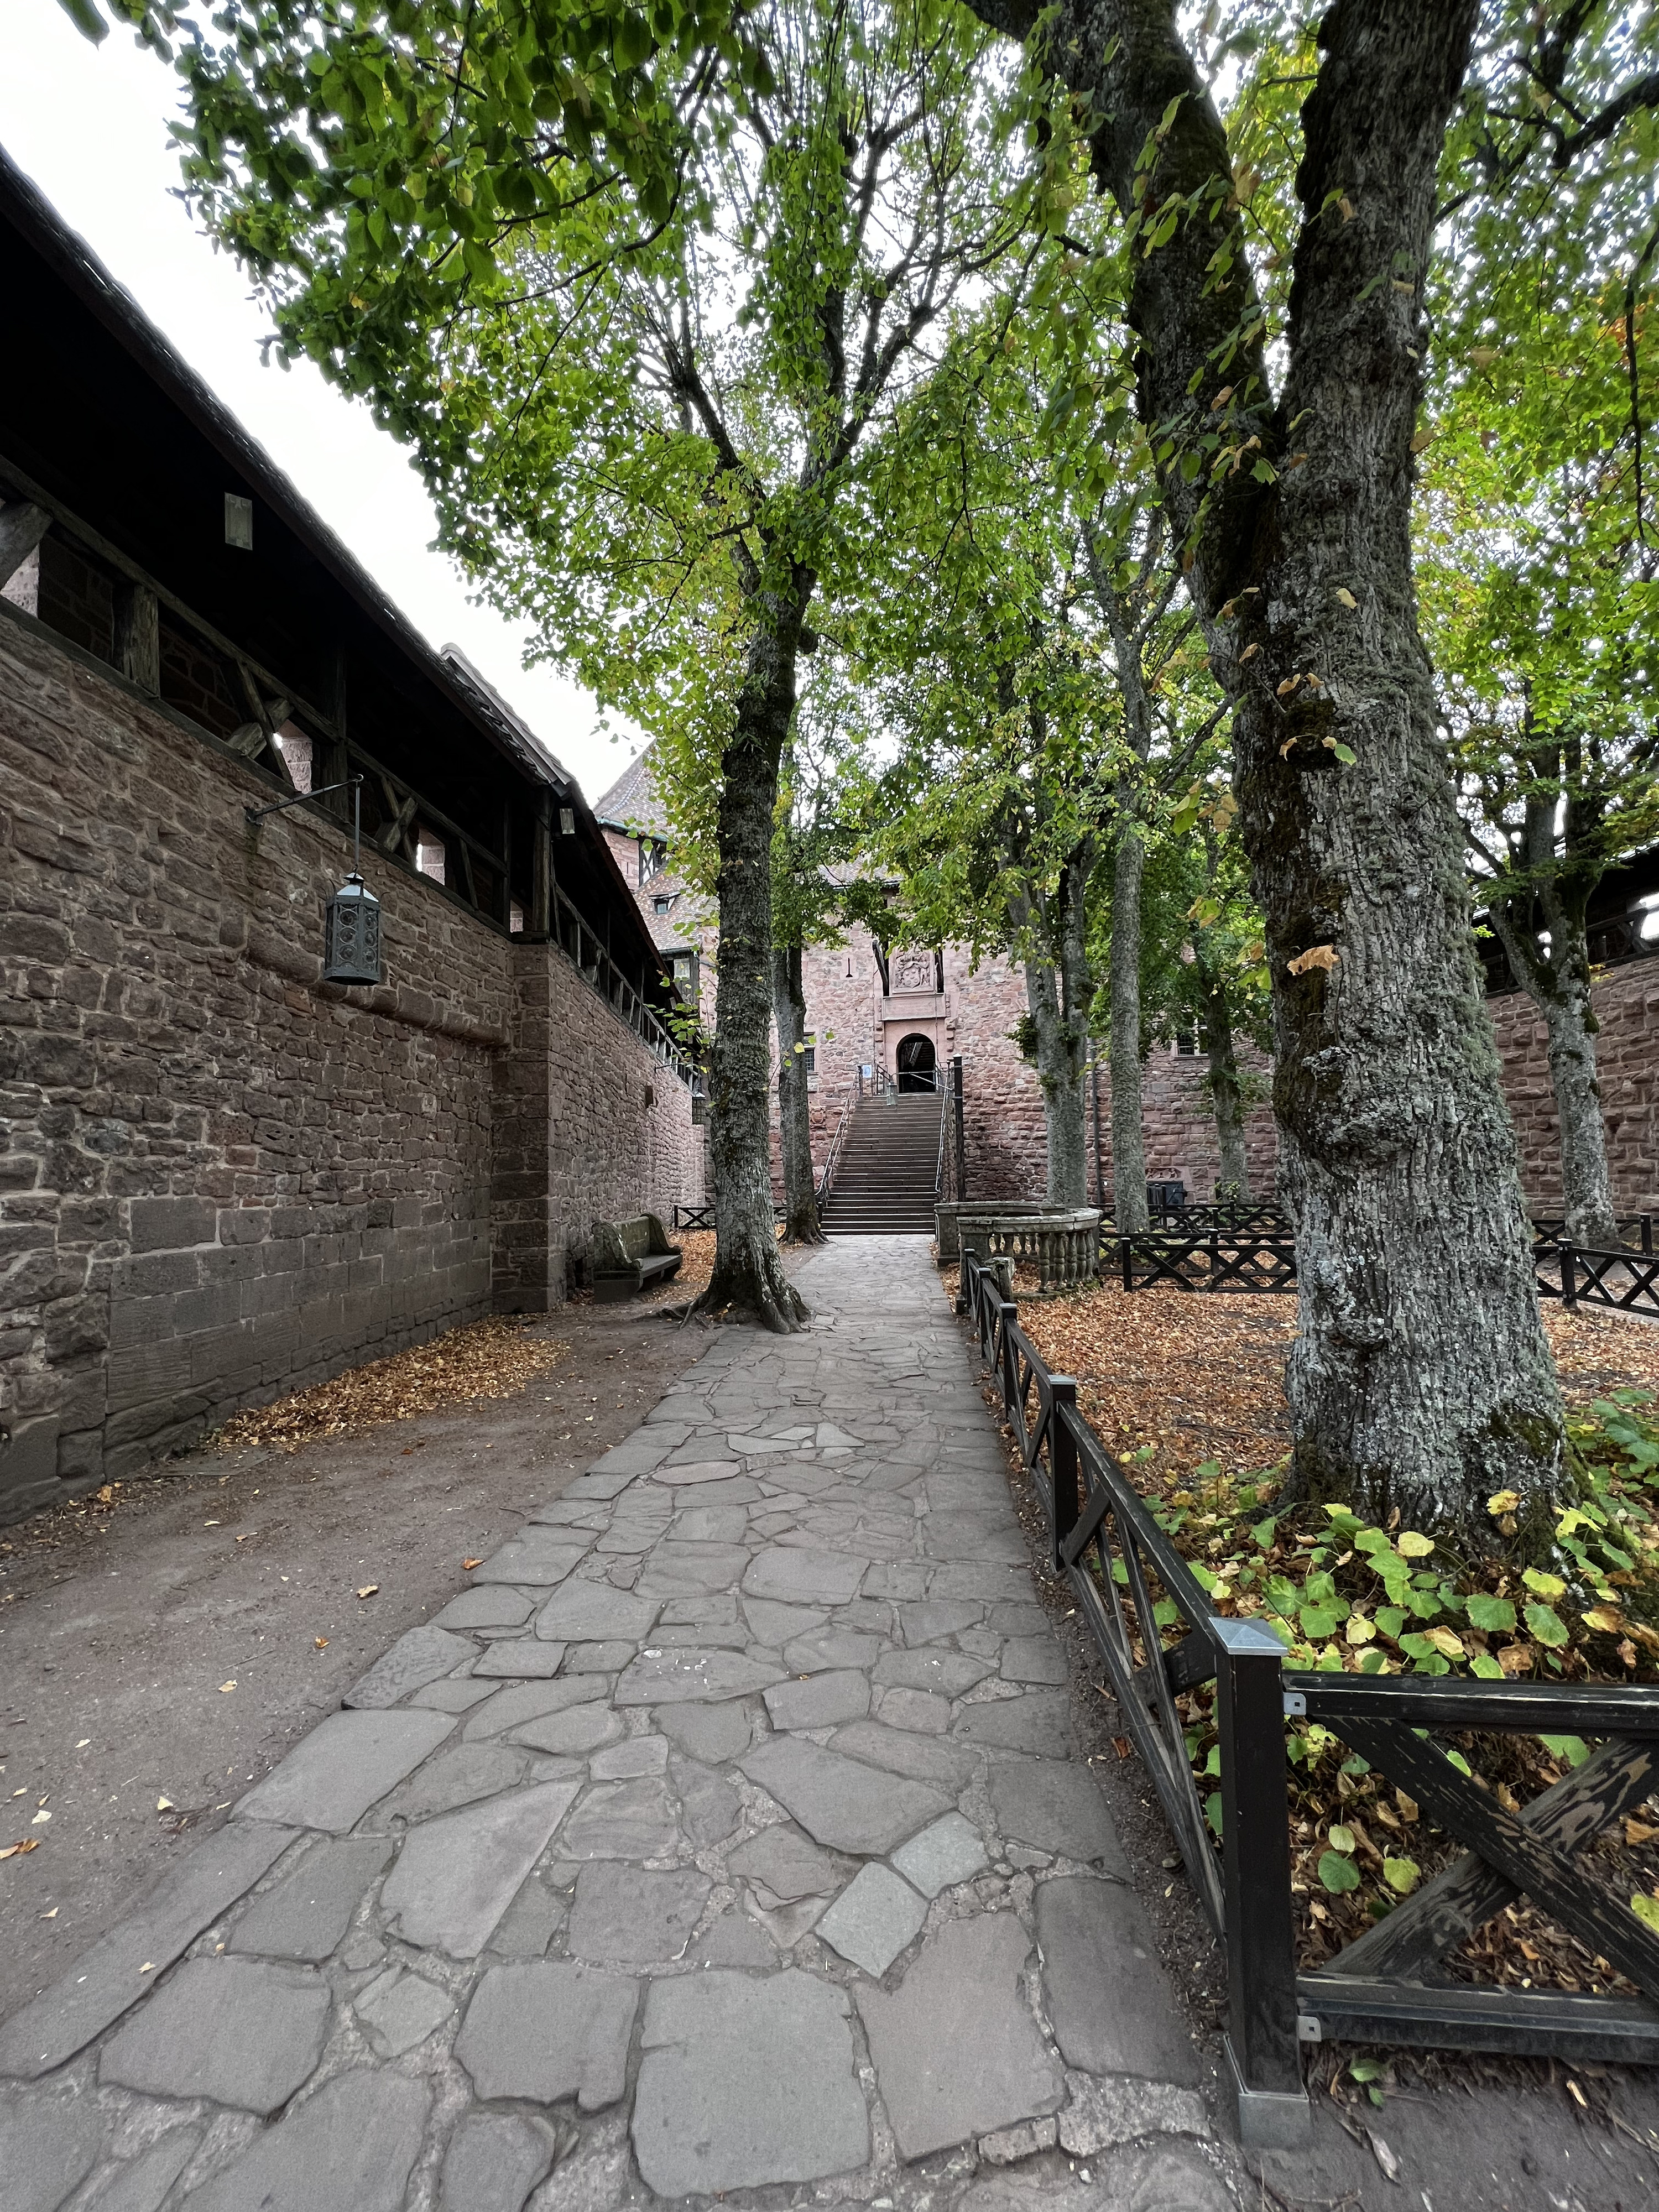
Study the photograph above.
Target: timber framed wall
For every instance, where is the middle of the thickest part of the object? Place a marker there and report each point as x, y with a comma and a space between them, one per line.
220, 1177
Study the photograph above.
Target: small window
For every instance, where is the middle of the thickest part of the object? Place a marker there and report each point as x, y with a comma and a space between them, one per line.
1187, 1044
515, 918
297, 753
661, 905
810, 1057
429, 855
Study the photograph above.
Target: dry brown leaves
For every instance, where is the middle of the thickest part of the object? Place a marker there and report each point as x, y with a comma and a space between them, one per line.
486, 1360
1201, 1377
696, 1268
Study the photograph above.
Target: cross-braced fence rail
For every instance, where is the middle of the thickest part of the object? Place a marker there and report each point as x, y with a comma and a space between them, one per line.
1159, 1638
1239, 1260
1221, 1259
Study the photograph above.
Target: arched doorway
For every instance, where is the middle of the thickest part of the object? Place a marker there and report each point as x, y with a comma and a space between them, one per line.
917, 1066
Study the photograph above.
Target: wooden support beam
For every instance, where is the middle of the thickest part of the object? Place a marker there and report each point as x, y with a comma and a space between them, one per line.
22, 525
138, 636
393, 833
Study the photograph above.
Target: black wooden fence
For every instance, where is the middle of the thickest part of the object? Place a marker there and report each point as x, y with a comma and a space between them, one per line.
1222, 1259
1393, 1983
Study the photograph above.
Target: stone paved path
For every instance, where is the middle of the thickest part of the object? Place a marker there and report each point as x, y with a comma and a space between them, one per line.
722, 1837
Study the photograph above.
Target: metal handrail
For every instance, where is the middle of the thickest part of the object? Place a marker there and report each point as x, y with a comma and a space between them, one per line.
832, 1158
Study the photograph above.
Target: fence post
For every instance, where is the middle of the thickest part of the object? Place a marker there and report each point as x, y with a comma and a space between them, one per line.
1126, 1253
1062, 1462
1569, 1278
1647, 1234
1007, 1314
1261, 2039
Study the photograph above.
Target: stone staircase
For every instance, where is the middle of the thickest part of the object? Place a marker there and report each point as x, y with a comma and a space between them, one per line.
884, 1180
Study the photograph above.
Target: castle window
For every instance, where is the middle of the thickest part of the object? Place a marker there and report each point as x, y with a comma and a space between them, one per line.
661, 905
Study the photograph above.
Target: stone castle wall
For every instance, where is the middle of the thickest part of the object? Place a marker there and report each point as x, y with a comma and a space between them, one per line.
1004, 1139
220, 1179
1625, 999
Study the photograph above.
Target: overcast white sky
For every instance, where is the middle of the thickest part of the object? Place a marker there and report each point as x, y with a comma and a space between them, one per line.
88, 124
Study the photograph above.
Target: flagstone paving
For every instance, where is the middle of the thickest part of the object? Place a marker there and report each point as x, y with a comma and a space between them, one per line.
725, 1837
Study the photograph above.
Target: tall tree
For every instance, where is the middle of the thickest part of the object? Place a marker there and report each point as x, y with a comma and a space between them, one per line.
639, 300
822, 806
1283, 423
1538, 560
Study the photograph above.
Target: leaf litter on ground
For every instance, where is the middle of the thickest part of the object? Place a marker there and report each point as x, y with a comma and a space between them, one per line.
491, 1358
1187, 1390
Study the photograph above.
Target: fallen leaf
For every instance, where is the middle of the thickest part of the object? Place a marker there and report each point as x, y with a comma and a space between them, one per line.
368, 1589
321, 1643
468, 1564
1639, 1831
84, 1741
1605, 1618
1316, 956
12, 1850
1515, 1658
1578, 2095
1249, 653
1385, 2158
52, 1915
1346, 599
164, 1804
40, 1818
242, 1540
223, 1687
1121, 1746
148, 1966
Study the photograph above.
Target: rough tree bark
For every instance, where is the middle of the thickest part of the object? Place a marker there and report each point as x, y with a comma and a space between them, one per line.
748, 1273
1226, 1086
800, 1202
1057, 994
1558, 984
1129, 1212
1420, 1379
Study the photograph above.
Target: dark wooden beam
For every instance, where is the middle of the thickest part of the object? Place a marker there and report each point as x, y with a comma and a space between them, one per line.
22, 525
138, 636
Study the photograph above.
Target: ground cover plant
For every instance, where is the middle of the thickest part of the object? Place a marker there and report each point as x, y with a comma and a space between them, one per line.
1188, 1391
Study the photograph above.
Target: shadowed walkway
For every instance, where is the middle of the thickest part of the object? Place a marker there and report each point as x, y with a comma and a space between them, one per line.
724, 1836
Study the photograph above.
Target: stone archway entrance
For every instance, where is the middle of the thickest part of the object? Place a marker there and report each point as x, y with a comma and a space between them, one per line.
917, 1064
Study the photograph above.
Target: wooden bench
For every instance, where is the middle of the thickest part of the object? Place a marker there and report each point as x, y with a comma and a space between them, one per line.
628, 1256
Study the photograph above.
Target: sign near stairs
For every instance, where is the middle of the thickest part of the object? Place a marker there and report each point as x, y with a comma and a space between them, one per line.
885, 1182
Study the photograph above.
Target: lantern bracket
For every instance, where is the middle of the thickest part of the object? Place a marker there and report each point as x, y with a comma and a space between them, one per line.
354, 784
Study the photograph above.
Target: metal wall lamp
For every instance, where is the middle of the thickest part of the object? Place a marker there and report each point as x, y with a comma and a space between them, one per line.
351, 934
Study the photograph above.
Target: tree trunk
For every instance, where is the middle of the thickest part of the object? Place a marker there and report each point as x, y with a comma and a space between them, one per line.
1057, 993
1060, 1074
1559, 986
1129, 1212
1421, 1380
1226, 1099
800, 1204
748, 1276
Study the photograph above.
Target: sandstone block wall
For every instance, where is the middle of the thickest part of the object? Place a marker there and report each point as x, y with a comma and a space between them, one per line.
220, 1178
1626, 1003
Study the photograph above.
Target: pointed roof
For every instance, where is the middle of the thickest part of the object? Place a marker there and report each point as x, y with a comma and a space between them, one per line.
632, 802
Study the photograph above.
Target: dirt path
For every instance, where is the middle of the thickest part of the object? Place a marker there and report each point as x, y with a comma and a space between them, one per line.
118, 1629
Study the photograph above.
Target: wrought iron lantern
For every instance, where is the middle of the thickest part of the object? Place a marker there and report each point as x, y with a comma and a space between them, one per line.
351, 943
351, 935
